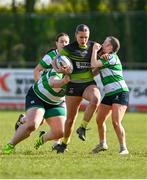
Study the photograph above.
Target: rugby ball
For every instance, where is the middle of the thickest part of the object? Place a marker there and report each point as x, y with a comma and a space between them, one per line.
63, 61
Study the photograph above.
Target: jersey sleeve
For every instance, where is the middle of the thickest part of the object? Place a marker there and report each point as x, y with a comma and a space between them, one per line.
45, 62
111, 61
56, 75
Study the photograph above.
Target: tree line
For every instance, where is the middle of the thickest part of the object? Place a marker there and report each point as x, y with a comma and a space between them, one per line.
27, 32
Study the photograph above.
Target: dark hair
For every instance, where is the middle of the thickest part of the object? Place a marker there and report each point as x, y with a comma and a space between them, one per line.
114, 42
60, 35
82, 27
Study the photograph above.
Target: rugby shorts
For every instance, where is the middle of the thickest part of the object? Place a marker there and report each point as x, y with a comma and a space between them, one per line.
32, 100
119, 98
77, 89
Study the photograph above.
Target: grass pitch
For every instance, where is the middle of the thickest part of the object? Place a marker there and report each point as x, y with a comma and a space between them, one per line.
77, 163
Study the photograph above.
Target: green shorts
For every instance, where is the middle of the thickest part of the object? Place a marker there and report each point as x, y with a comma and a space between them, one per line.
51, 110
55, 111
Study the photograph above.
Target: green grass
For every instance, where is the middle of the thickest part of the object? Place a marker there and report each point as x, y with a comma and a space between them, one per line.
77, 163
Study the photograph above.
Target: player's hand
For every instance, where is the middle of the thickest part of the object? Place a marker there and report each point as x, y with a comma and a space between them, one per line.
106, 56
55, 67
97, 46
66, 78
65, 70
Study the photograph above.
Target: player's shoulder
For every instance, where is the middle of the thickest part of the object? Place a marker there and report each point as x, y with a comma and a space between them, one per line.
114, 55
71, 46
53, 50
114, 59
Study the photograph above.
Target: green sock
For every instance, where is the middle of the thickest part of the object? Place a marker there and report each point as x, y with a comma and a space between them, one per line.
84, 124
66, 140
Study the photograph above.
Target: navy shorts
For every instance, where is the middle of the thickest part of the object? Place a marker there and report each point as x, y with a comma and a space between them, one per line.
32, 100
77, 89
119, 98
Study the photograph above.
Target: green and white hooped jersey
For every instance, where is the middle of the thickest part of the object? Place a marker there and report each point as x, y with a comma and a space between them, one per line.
45, 92
112, 76
45, 62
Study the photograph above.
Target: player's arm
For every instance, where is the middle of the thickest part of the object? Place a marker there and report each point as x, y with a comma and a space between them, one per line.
37, 72
53, 63
58, 83
94, 61
44, 64
95, 71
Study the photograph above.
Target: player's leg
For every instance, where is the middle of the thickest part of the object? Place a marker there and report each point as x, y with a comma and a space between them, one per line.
56, 131
57, 128
91, 94
118, 112
22, 119
103, 113
72, 104
55, 118
34, 117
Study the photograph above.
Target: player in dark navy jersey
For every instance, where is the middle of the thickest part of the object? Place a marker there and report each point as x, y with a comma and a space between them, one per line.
82, 84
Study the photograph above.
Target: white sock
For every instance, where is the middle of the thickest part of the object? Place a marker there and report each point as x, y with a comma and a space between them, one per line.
57, 142
103, 142
123, 147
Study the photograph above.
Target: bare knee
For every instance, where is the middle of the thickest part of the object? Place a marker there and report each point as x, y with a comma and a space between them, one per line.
100, 120
94, 103
32, 127
116, 125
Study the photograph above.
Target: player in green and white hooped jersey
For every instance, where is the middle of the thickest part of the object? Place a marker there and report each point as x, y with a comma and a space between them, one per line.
44, 90
45, 99
62, 39
116, 98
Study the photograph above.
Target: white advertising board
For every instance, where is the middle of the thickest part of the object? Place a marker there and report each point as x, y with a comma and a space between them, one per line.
14, 84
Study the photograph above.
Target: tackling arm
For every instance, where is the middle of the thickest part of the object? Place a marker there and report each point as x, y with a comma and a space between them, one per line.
94, 61
58, 83
37, 72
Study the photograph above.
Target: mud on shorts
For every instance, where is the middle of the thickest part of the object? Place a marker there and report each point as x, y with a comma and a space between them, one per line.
77, 89
32, 100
